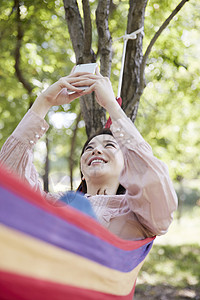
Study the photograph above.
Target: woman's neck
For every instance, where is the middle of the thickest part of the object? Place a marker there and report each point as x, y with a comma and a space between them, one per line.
103, 189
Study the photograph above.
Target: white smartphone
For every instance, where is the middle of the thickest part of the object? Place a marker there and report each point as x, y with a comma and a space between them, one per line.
90, 68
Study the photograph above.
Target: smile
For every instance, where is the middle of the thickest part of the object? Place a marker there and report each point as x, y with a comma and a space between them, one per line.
97, 161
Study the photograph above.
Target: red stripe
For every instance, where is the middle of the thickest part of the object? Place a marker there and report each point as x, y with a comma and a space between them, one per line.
15, 287
13, 184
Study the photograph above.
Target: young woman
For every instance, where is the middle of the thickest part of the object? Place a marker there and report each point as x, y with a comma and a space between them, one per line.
129, 189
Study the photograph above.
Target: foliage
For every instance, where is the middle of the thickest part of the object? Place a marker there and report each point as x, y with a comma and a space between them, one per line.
174, 263
172, 269
46, 55
169, 104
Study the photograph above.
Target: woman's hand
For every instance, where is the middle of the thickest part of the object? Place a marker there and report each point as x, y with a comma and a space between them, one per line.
103, 92
98, 84
58, 94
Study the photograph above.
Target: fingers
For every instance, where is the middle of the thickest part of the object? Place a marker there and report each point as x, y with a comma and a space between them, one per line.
64, 97
73, 96
83, 82
98, 72
88, 90
72, 75
65, 82
76, 74
86, 78
75, 81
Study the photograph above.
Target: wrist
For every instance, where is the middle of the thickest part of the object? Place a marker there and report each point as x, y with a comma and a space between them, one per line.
41, 106
114, 110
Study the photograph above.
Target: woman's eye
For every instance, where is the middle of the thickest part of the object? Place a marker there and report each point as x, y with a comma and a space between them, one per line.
110, 145
88, 148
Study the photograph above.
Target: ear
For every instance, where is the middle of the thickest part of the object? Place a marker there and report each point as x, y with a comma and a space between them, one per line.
83, 178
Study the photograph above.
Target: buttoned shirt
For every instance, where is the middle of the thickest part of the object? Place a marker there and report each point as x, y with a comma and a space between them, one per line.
143, 211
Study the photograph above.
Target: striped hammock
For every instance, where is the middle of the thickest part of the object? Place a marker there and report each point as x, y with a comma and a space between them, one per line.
59, 253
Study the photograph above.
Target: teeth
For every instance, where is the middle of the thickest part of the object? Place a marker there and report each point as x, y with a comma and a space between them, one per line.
97, 160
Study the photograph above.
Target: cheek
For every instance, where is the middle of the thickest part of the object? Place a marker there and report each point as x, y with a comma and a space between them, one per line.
116, 157
82, 164
83, 161
119, 158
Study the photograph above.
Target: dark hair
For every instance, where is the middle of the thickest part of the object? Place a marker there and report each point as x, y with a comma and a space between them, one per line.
83, 187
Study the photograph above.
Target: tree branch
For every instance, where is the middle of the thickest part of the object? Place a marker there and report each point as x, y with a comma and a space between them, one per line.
13, 9
20, 34
154, 39
105, 40
133, 58
75, 27
87, 26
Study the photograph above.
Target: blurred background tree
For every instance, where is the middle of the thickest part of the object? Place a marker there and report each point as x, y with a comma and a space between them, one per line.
36, 50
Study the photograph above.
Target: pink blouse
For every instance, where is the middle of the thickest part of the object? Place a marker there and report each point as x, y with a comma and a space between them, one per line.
146, 208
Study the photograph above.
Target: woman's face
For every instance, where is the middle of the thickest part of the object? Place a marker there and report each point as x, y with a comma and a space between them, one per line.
102, 157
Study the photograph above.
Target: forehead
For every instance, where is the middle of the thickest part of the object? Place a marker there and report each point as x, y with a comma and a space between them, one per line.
102, 138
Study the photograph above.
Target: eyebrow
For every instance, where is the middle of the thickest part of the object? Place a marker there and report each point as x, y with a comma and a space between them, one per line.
106, 141
110, 141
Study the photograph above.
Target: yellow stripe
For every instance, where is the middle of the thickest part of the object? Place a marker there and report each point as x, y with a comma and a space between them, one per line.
28, 256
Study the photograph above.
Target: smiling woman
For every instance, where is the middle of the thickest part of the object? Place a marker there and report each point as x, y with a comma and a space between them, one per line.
128, 188
101, 164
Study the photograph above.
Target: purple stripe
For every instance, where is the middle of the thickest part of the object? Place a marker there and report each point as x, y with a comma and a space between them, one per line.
19, 214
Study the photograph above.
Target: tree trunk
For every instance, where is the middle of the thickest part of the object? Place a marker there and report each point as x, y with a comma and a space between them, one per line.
105, 40
93, 115
81, 36
131, 92
134, 71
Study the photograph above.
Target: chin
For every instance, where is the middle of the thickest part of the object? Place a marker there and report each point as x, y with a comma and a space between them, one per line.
98, 174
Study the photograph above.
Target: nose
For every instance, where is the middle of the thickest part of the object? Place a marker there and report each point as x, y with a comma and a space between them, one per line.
96, 150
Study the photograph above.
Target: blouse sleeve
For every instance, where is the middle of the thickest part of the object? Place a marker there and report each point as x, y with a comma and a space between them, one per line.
17, 152
149, 190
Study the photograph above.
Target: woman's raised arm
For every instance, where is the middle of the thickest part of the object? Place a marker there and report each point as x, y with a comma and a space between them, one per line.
149, 190
17, 152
